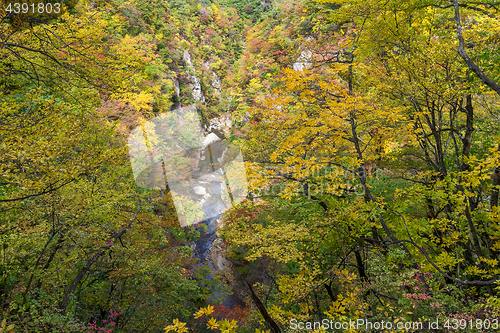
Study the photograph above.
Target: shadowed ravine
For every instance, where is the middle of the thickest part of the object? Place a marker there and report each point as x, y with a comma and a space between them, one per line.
203, 246
208, 190
213, 205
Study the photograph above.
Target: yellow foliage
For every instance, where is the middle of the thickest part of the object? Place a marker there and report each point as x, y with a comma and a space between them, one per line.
178, 326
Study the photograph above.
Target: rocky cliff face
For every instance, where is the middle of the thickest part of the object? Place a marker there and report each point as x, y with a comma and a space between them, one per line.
195, 81
216, 255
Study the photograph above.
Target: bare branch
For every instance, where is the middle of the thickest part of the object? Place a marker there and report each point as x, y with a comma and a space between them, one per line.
471, 64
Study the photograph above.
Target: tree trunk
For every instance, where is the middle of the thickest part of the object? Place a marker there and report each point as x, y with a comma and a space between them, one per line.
461, 50
262, 309
496, 183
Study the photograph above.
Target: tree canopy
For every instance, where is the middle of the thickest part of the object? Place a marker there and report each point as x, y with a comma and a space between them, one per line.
371, 138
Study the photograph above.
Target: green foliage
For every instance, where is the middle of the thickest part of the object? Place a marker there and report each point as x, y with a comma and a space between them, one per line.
372, 153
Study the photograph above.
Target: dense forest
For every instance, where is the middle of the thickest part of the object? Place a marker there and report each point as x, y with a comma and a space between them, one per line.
369, 135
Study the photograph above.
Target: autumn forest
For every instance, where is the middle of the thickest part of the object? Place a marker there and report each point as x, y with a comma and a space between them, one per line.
346, 156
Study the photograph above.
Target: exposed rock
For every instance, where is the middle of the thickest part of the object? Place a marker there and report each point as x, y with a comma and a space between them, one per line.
222, 124
303, 61
177, 88
200, 190
196, 85
216, 84
210, 138
216, 256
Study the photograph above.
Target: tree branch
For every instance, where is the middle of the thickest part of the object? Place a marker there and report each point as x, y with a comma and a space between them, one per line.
461, 50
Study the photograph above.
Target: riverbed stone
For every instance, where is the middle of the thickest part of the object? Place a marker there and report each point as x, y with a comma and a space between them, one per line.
200, 190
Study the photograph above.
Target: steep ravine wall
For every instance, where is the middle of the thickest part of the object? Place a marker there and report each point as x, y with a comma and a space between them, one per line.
209, 247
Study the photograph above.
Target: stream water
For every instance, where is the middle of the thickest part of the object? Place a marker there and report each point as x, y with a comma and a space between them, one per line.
210, 191
213, 205
203, 246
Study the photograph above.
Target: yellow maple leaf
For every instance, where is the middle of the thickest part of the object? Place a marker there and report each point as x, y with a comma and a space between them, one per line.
212, 323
